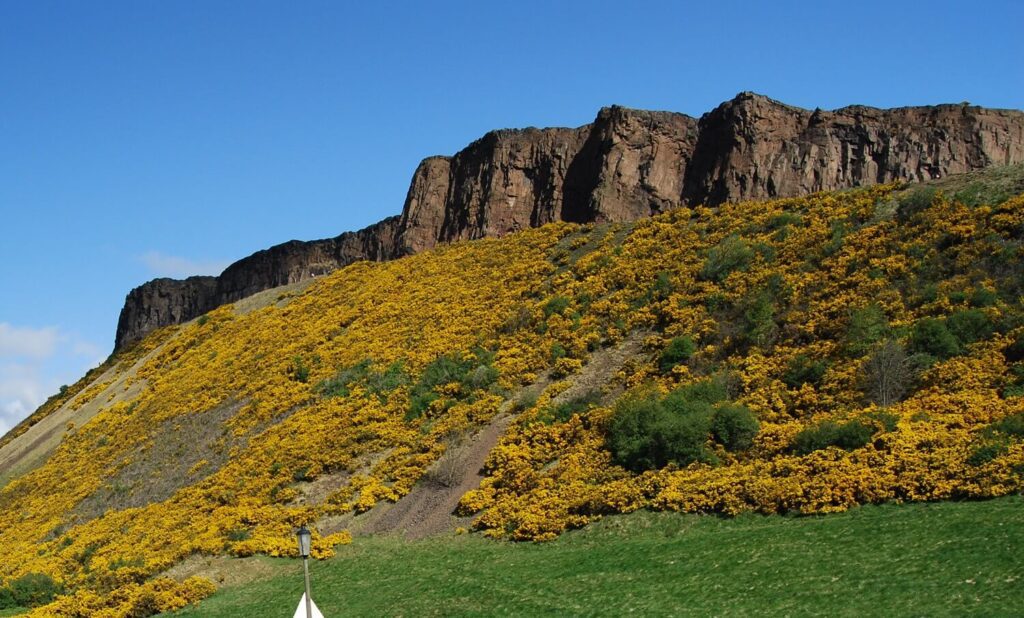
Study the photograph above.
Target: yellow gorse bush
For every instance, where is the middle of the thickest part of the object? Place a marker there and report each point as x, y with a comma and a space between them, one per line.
539, 303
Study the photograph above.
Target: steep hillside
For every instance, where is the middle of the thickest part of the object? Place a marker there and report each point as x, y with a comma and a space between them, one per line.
626, 165
800, 355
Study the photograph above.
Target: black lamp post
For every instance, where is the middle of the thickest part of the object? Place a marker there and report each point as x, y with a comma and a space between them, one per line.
304, 542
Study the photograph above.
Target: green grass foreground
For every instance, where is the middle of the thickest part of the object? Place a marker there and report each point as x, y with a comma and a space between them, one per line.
916, 559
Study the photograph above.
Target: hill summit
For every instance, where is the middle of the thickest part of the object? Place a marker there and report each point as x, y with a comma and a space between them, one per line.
626, 165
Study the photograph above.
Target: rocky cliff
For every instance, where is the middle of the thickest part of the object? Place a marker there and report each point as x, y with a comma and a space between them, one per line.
626, 165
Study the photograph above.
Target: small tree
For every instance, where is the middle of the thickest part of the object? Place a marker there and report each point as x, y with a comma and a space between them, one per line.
867, 327
888, 374
679, 350
930, 336
731, 254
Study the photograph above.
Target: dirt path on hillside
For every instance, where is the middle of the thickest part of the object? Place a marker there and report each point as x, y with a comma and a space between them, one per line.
427, 509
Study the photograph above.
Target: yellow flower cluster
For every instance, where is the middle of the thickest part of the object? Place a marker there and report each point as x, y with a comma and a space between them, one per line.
301, 443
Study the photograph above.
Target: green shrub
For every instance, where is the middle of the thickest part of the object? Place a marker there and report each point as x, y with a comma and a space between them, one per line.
970, 326
930, 336
339, 385
567, 409
645, 434
557, 351
471, 373
804, 370
7, 598
33, 590
729, 255
986, 452
556, 304
708, 392
419, 403
661, 288
759, 325
783, 220
734, 426
1012, 425
982, 297
867, 326
915, 201
679, 350
300, 371
378, 383
848, 436
887, 420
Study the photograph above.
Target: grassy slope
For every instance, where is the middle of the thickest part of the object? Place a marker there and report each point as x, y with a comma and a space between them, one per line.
915, 559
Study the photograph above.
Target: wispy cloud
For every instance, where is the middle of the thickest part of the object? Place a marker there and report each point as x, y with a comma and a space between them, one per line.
31, 342
22, 389
35, 362
174, 266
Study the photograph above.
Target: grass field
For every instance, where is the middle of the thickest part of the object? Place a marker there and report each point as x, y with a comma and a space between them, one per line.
919, 559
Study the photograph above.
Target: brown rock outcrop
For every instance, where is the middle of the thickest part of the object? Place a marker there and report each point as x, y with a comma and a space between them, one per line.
626, 165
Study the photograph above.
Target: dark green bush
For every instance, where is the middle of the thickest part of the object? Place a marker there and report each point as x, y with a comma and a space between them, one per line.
850, 435
661, 288
679, 350
339, 385
1014, 353
915, 201
986, 452
759, 325
378, 383
300, 371
1012, 425
930, 336
556, 304
982, 297
867, 326
783, 220
970, 326
804, 370
734, 426
32, 590
472, 372
706, 391
887, 420
557, 351
646, 434
566, 410
649, 432
729, 255
7, 598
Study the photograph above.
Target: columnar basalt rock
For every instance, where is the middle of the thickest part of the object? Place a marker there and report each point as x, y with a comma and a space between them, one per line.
626, 165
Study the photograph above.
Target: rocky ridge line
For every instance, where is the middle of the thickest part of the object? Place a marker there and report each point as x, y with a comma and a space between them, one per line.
626, 165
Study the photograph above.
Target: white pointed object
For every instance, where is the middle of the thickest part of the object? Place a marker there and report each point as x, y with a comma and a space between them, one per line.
300, 611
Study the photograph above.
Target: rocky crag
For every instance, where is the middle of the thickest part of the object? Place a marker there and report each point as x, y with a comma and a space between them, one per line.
626, 165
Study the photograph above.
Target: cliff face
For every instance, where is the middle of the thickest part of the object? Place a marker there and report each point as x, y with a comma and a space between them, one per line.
626, 165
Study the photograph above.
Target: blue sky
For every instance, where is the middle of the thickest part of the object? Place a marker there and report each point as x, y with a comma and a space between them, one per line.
143, 139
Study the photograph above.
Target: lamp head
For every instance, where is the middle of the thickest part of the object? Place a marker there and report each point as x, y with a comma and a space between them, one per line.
305, 539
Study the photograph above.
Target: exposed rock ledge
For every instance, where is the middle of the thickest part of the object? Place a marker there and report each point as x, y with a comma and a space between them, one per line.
626, 165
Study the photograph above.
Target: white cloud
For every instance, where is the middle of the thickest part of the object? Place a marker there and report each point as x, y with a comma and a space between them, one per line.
36, 362
21, 391
173, 266
31, 342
